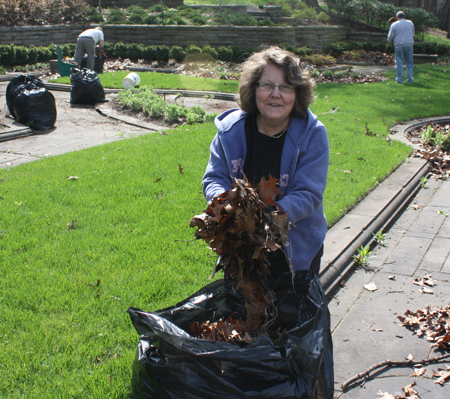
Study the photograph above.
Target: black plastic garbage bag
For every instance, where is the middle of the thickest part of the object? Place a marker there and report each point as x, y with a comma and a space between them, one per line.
16, 83
99, 61
30, 103
170, 363
86, 87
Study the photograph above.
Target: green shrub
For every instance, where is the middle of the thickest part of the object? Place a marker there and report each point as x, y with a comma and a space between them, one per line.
153, 19
443, 49
302, 51
320, 60
149, 53
199, 20
136, 18
21, 55
94, 16
225, 54
136, 10
7, 56
134, 51
116, 16
193, 49
162, 53
239, 54
335, 49
108, 48
210, 51
45, 54
195, 114
373, 46
68, 50
287, 47
120, 50
265, 22
328, 74
221, 19
242, 20
32, 55
177, 53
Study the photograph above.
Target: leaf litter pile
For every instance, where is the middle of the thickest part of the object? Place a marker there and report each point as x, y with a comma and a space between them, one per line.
242, 225
434, 146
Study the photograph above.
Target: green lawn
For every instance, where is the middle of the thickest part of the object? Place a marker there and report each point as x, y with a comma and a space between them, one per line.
64, 330
157, 80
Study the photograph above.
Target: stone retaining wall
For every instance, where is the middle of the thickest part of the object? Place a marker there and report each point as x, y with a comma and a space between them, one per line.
127, 3
248, 37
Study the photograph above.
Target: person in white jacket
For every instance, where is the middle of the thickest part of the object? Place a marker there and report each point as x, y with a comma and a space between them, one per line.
86, 43
401, 33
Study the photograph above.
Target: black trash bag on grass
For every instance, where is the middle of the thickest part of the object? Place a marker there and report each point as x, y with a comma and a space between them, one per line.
86, 87
30, 103
170, 363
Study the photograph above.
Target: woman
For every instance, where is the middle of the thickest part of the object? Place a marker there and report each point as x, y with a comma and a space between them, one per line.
274, 133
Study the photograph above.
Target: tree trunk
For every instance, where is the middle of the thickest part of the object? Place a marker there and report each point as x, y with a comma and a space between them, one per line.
312, 3
444, 18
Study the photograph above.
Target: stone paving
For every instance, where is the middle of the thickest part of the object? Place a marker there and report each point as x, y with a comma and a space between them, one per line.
366, 330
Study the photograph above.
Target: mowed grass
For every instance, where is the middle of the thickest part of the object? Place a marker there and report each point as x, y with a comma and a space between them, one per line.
64, 291
158, 80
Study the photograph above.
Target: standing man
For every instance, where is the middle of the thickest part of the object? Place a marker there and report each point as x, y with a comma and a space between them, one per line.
401, 33
86, 43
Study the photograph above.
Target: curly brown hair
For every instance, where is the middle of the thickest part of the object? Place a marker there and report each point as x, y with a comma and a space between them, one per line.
293, 75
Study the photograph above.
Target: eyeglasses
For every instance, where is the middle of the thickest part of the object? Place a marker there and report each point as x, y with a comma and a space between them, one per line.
271, 87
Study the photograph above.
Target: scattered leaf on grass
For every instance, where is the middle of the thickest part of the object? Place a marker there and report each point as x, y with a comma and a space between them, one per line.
180, 168
71, 226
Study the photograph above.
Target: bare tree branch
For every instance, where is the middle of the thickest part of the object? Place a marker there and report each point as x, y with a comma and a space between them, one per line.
389, 363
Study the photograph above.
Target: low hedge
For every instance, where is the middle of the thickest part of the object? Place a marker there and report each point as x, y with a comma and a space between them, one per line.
338, 48
19, 55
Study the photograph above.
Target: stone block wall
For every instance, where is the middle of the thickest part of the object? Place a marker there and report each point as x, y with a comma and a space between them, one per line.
247, 37
127, 3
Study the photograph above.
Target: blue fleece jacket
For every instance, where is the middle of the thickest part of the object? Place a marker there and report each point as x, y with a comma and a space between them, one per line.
303, 177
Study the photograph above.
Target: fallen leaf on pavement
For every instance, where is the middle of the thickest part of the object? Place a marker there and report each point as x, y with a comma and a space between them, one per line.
418, 372
410, 392
370, 287
443, 375
386, 395
424, 280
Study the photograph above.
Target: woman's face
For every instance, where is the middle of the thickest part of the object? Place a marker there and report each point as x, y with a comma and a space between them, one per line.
274, 106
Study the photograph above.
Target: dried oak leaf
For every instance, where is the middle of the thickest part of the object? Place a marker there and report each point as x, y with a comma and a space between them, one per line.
444, 376
240, 227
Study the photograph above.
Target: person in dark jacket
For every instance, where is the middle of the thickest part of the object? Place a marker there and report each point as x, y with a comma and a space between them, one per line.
274, 133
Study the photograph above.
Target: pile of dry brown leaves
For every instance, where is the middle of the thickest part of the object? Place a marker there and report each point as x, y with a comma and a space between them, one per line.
242, 225
437, 156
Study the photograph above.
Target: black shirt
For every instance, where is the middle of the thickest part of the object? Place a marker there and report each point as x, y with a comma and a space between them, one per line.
263, 159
